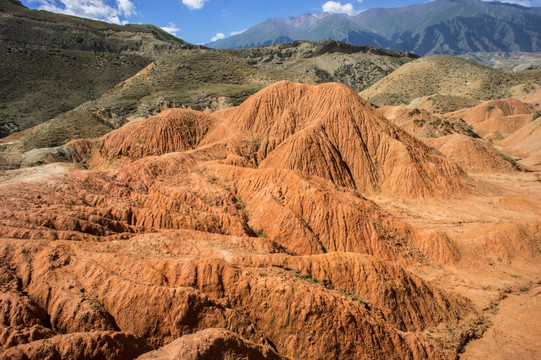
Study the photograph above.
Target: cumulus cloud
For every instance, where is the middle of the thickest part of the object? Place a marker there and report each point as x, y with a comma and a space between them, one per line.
218, 36
114, 12
171, 28
194, 4
233, 33
336, 7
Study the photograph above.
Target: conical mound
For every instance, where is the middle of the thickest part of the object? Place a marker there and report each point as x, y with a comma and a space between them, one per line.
329, 131
472, 155
495, 118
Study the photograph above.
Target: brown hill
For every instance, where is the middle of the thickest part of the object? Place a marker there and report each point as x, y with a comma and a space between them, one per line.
231, 235
339, 137
472, 155
173, 130
211, 344
449, 78
496, 118
423, 124
525, 145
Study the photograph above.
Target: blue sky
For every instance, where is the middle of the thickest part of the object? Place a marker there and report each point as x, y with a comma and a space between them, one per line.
200, 21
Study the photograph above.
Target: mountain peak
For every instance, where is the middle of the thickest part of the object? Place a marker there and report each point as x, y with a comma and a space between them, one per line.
451, 27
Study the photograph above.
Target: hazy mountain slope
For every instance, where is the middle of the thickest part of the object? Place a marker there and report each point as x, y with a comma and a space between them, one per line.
50, 63
435, 27
311, 27
459, 81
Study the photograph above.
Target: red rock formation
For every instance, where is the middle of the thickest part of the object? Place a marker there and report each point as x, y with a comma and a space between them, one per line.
339, 137
256, 229
81, 346
496, 118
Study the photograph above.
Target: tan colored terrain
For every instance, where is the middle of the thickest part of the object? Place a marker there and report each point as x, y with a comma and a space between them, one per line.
496, 118
443, 84
300, 224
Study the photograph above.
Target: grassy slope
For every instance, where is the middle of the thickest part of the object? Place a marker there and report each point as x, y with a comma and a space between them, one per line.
51, 63
461, 81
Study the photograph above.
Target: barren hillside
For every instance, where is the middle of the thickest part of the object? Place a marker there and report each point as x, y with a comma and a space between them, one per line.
299, 224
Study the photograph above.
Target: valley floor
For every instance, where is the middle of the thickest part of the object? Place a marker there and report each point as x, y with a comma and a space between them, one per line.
497, 231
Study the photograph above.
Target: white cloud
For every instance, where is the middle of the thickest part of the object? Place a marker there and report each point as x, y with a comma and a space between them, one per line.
93, 9
233, 33
218, 36
527, 3
171, 28
126, 7
336, 7
194, 4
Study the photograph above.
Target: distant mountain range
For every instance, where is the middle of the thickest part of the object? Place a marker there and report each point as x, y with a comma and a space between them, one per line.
437, 27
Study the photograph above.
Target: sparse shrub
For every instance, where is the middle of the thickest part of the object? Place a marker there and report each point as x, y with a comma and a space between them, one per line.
353, 296
239, 204
419, 122
536, 115
490, 108
414, 112
258, 233
510, 159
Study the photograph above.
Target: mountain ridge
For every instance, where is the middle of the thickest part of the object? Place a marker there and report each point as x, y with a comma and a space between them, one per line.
437, 27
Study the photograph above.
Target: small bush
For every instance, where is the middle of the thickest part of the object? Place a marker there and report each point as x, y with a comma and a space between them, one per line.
414, 112
536, 115
239, 204
510, 159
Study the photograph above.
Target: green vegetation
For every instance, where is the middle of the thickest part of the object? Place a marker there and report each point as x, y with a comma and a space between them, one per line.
239, 204
510, 160
260, 233
536, 115
490, 108
414, 112
353, 296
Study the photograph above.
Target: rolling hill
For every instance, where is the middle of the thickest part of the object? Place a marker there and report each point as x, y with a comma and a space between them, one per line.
443, 83
52, 63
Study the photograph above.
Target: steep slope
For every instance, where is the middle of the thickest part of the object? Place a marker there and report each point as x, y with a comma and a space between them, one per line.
447, 77
328, 61
51, 63
340, 138
229, 235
